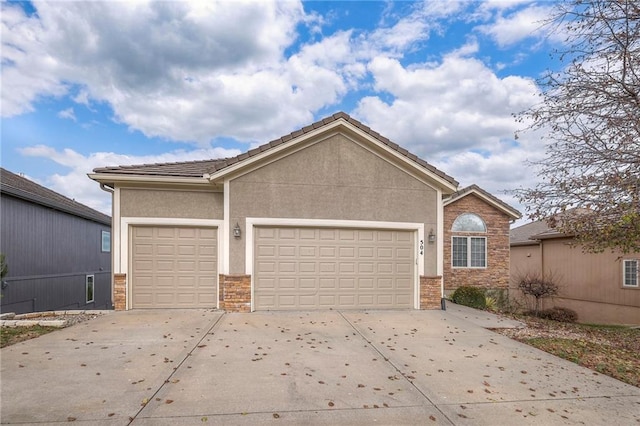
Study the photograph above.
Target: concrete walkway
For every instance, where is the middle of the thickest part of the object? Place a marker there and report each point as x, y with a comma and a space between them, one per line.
353, 367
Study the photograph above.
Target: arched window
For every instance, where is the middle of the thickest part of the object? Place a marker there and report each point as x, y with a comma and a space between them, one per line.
469, 222
467, 251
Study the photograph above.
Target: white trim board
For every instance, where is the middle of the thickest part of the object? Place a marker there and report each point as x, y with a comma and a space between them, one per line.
127, 222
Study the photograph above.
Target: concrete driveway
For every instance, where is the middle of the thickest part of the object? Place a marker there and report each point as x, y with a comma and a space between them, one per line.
205, 367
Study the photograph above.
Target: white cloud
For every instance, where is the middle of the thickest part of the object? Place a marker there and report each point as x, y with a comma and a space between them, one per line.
458, 115
76, 185
187, 71
168, 69
512, 28
68, 114
448, 107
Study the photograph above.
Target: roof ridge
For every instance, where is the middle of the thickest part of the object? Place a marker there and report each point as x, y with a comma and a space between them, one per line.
473, 187
323, 122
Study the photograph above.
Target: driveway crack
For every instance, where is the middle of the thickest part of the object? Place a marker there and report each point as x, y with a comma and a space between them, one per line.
174, 370
395, 367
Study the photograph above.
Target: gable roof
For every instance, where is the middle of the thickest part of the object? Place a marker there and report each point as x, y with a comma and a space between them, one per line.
487, 197
218, 167
20, 187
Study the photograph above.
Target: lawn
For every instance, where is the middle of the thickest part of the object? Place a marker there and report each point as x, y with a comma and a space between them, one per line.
610, 350
13, 335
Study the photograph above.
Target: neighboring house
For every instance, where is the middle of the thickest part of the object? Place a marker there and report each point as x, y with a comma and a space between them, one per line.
333, 215
476, 235
57, 250
600, 287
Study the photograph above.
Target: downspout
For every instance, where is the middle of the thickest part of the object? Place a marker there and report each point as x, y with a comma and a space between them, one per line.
106, 188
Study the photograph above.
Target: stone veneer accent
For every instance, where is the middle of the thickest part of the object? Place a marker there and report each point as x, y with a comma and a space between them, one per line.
235, 293
496, 274
430, 292
120, 292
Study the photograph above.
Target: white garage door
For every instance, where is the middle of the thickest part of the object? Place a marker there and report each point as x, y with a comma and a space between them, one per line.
174, 267
324, 268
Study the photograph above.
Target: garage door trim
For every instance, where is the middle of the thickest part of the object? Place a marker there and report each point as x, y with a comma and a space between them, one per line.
125, 246
252, 222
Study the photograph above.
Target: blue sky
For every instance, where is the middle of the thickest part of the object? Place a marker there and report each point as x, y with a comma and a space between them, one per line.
91, 84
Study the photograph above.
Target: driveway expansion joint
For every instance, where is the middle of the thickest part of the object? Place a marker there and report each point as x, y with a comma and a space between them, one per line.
395, 367
175, 369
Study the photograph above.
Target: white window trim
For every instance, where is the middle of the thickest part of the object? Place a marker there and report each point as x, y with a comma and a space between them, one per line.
468, 237
624, 273
102, 235
86, 288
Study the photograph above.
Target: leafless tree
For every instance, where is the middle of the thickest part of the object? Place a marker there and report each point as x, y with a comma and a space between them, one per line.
538, 286
590, 113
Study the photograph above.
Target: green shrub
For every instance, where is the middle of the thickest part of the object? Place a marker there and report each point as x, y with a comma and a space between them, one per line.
469, 296
559, 314
490, 303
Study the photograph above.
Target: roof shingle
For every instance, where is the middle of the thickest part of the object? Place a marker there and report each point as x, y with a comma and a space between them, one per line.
20, 187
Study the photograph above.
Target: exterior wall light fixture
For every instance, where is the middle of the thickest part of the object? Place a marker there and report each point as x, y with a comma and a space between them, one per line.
236, 231
432, 237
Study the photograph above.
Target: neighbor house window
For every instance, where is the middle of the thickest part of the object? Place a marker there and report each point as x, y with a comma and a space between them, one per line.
468, 251
106, 241
630, 273
89, 288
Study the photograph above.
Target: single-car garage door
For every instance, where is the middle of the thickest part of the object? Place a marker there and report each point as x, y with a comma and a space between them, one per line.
323, 268
173, 267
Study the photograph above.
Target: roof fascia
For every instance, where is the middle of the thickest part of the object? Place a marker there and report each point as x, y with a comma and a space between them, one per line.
245, 166
514, 214
108, 178
525, 243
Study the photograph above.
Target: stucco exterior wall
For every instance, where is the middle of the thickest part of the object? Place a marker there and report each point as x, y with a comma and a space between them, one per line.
333, 179
174, 203
496, 274
590, 283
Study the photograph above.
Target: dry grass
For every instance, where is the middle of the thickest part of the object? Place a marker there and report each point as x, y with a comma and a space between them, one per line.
12, 335
610, 350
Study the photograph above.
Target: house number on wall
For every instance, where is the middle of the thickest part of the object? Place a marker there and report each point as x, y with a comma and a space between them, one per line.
421, 247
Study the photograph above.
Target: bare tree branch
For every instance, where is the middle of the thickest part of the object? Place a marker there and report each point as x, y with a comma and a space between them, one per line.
590, 112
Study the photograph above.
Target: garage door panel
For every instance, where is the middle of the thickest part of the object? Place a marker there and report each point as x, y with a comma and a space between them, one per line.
322, 268
286, 283
307, 283
286, 251
327, 252
328, 283
173, 267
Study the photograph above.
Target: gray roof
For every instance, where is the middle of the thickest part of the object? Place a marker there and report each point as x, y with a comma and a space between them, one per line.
20, 187
524, 235
498, 202
180, 169
200, 168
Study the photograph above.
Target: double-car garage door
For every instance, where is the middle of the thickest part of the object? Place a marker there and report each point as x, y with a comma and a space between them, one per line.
293, 268
324, 268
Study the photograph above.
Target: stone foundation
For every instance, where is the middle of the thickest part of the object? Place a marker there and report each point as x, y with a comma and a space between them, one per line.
235, 293
120, 292
430, 292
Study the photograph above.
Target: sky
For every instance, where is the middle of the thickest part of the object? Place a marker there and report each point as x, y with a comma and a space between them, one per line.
89, 84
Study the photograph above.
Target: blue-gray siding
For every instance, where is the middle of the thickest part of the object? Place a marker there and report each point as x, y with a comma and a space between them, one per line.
49, 253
